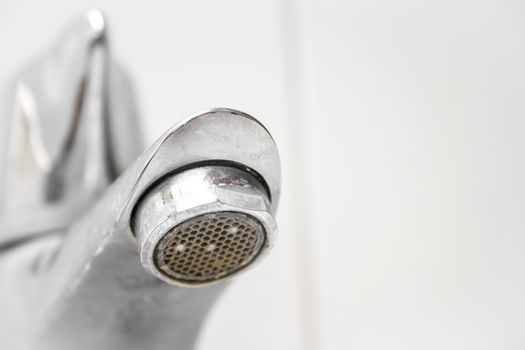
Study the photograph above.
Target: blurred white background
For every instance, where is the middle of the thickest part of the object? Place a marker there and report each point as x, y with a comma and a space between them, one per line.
400, 125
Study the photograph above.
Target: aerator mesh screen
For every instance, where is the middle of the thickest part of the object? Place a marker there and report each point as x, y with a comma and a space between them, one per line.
209, 246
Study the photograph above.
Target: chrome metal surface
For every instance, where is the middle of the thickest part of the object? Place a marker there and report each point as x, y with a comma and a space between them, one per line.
82, 285
71, 129
197, 227
91, 289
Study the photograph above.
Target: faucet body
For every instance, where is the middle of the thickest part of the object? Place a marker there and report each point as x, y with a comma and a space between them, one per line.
70, 265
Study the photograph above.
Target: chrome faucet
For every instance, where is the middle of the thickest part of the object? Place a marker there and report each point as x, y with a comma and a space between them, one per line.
105, 247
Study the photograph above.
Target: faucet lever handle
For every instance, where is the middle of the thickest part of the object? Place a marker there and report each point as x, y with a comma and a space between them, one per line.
72, 129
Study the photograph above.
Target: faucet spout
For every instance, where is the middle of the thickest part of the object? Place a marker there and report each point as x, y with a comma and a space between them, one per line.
119, 254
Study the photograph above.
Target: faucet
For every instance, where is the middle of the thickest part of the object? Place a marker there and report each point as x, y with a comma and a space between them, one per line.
105, 245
